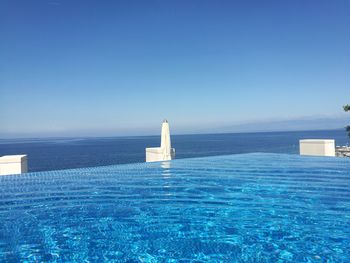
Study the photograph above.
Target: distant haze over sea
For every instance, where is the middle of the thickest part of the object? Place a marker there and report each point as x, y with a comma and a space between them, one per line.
302, 124
271, 125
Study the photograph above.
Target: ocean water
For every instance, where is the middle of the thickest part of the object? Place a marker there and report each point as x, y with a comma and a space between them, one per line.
235, 208
63, 153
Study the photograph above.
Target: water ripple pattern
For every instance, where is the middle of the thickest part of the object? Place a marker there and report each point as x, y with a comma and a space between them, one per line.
235, 208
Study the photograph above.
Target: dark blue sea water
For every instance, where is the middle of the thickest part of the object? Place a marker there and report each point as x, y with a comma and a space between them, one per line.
63, 153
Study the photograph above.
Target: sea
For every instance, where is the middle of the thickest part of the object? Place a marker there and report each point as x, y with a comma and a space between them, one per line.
46, 154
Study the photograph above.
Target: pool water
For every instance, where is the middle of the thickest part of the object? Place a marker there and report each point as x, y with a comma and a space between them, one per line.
235, 208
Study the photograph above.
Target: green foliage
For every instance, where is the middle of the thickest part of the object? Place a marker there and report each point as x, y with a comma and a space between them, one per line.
347, 108
348, 130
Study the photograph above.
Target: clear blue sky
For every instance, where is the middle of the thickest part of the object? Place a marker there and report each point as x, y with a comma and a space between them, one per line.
120, 67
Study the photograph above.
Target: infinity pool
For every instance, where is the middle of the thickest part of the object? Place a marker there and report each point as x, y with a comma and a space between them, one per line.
236, 208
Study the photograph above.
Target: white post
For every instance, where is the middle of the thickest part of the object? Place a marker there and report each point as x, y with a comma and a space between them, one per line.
164, 152
165, 142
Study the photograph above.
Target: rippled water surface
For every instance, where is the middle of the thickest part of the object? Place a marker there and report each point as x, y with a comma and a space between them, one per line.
236, 208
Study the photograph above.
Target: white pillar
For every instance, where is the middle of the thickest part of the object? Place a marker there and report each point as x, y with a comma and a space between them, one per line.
165, 142
164, 152
13, 164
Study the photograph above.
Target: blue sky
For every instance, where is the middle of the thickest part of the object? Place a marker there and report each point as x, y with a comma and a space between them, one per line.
120, 67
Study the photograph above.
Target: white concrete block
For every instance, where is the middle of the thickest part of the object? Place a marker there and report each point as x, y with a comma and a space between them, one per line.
156, 154
317, 147
13, 164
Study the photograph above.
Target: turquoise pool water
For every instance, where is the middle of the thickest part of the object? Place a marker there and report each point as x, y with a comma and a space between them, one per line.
236, 208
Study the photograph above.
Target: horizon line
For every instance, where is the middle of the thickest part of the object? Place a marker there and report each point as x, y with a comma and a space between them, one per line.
175, 134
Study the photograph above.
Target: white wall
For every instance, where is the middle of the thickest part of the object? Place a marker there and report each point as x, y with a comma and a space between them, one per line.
317, 147
13, 164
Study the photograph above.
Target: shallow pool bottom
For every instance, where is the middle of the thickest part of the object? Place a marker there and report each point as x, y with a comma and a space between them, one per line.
243, 208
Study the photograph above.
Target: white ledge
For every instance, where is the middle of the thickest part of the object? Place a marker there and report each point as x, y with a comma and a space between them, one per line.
13, 164
317, 147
